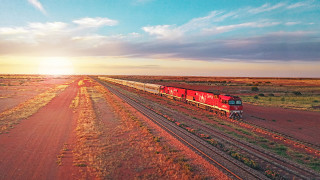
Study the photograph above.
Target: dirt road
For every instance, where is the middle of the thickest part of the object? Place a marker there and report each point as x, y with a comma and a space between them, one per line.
29, 151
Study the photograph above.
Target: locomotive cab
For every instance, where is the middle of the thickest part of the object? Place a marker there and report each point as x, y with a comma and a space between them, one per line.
232, 105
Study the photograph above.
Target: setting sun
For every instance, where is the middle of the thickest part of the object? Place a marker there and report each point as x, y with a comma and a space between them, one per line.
56, 66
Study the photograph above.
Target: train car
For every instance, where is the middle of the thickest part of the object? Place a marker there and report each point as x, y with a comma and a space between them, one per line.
152, 88
175, 93
200, 97
118, 81
124, 82
139, 85
231, 106
130, 83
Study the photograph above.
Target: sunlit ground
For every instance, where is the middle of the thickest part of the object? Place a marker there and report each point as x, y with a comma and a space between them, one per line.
56, 66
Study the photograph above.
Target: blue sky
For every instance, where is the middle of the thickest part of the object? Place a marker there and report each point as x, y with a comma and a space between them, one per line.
154, 33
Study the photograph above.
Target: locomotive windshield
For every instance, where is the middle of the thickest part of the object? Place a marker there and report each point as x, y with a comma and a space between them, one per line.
237, 102
232, 102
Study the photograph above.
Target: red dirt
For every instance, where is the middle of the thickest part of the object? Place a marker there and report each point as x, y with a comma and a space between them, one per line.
11, 96
30, 150
302, 125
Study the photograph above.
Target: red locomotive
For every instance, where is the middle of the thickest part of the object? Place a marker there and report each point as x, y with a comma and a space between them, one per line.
225, 105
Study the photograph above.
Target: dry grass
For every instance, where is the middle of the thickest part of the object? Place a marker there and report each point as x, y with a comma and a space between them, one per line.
143, 153
63, 151
11, 117
87, 146
292, 102
119, 145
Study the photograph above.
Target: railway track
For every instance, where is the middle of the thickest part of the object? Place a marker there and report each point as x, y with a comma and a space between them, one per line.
289, 169
227, 164
292, 169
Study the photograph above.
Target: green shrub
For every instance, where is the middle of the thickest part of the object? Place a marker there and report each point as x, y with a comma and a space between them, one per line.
256, 97
244, 159
297, 93
156, 139
272, 175
254, 88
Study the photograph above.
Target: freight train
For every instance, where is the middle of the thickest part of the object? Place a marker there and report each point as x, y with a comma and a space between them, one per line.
224, 105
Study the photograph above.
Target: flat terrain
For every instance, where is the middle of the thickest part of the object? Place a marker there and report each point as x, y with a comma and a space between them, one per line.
73, 128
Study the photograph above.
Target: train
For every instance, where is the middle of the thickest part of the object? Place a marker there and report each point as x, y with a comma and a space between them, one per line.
221, 104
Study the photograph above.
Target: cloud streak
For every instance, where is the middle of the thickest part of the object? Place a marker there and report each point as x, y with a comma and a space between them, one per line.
265, 8
95, 22
37, 5
298, 4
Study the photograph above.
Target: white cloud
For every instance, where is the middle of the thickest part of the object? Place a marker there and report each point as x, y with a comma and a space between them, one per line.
36, 32
37, 5
93, 40
266, 7
296, 5
12, 31
95, 22
291, 23
89, 38
49, 26
134, 35
227, 28
164, 31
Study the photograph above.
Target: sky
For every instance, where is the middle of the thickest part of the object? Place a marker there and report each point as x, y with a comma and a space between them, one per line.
251, 38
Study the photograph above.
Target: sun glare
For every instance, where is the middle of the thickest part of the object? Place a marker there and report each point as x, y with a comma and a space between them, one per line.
56, 66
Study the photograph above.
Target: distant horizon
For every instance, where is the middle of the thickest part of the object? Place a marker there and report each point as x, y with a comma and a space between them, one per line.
265, 77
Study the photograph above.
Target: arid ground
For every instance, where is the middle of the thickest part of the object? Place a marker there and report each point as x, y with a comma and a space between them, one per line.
72, 127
